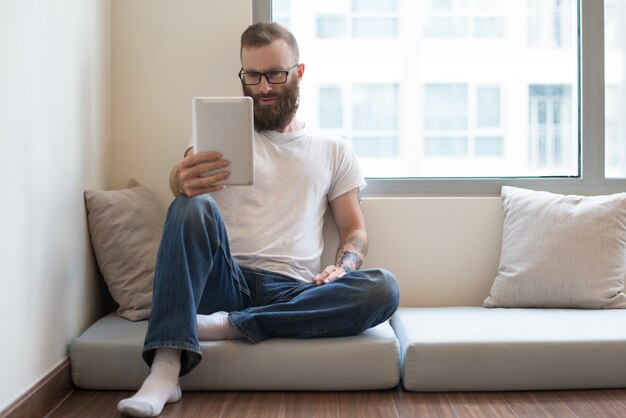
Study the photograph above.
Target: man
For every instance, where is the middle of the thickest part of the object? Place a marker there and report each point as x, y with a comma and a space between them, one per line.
271, 284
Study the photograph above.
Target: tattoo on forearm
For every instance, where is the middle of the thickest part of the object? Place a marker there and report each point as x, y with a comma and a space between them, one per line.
360, 246
357, 244
350, 261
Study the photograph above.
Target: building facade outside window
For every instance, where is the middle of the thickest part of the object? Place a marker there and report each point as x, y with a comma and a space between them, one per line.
482, 88
615, 91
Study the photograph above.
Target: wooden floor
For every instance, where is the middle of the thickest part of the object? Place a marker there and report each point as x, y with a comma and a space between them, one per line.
391, 403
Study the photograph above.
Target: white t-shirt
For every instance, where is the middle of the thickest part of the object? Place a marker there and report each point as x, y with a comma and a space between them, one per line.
276, 224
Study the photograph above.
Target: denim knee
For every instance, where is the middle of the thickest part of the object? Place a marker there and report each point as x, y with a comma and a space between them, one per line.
196, 207
193, 212
387, 292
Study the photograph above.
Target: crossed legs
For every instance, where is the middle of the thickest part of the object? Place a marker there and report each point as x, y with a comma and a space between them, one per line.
197, 282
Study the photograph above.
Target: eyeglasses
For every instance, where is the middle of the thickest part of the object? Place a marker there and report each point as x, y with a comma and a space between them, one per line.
272, 77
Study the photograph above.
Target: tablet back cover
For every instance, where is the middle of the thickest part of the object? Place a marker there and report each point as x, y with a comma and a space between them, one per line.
226, 124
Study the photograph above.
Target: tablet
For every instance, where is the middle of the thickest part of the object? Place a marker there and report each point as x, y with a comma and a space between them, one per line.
226, 124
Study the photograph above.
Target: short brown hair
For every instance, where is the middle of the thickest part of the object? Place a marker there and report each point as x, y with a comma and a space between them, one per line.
264, 33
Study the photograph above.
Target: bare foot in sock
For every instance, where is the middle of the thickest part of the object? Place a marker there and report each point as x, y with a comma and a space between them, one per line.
216, 327
159, 388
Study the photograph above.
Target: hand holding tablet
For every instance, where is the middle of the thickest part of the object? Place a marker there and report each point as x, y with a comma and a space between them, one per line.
226, 125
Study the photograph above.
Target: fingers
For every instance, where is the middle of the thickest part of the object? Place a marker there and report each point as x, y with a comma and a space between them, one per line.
193, 169
330, 274
201, 185
193, 159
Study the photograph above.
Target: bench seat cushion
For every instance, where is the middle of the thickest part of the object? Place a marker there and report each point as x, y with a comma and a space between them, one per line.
476, 349
108, 356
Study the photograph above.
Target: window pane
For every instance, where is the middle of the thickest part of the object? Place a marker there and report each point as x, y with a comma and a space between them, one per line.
379, 147
375, 107
488, 146
445, 147
550, 137
281, 6
446, 27
331, 107
446, 106
459, 85
283, 21
375, 27
488, 27
281, 12
438, 5
489, 5
488, 107
374, 5
550, 23
615, 90
331, 26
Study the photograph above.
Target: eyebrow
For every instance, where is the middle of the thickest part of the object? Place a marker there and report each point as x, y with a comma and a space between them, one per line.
266, 71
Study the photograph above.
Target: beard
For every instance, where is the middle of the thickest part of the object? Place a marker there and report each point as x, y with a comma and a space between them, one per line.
280, 113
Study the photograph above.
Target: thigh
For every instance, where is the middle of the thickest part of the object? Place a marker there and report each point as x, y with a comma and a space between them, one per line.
226, 287
267, 288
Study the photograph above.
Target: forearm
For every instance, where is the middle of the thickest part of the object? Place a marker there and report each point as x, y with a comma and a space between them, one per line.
352, 251
175, 182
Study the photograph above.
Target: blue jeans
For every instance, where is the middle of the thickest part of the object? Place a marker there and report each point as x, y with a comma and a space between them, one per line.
196, 274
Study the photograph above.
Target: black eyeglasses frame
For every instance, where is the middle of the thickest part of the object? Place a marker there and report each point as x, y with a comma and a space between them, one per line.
267, 76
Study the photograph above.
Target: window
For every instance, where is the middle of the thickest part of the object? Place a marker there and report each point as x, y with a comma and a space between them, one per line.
374, 18
281, 12
488, 107
461, 122
550, 23
489, 146
331, 107
464, 18
526, 80
445, 107
374, 27
367, 117
615, 90
374, 107
550, 140
331, 27
615, 129
374, 5
358, 19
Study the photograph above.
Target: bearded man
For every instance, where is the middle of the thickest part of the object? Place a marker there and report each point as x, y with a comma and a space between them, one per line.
263, 279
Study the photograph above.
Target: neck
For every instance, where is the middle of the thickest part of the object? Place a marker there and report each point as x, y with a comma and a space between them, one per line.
294, 125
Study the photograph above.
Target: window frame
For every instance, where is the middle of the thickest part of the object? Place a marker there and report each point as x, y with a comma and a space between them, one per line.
591, 179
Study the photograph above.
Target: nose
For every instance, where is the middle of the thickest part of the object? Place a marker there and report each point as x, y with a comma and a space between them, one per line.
264, 86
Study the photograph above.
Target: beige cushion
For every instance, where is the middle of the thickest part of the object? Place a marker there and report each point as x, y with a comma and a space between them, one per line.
561, 251
473, 348
125, 228
107, 356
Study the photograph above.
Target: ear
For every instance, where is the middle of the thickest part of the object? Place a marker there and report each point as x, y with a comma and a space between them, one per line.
300, 71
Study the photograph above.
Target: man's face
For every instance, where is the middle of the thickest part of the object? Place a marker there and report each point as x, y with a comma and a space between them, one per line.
275, 105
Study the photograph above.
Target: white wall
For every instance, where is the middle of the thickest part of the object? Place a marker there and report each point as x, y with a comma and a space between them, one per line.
91, 94
444, 251
54, 138
164, 54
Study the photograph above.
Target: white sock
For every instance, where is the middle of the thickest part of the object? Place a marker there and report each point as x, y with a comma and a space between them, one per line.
216, 327
159, 388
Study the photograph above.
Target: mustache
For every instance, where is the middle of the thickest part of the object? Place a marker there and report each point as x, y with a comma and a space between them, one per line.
264, 96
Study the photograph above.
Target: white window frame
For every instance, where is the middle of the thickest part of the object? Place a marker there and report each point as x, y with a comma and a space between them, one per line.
592, 180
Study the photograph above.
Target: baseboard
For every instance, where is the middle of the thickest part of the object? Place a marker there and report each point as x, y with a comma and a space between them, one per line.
44, 396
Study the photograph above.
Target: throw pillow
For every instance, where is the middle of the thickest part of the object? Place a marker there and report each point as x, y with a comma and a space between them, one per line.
561, 251
125, 228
